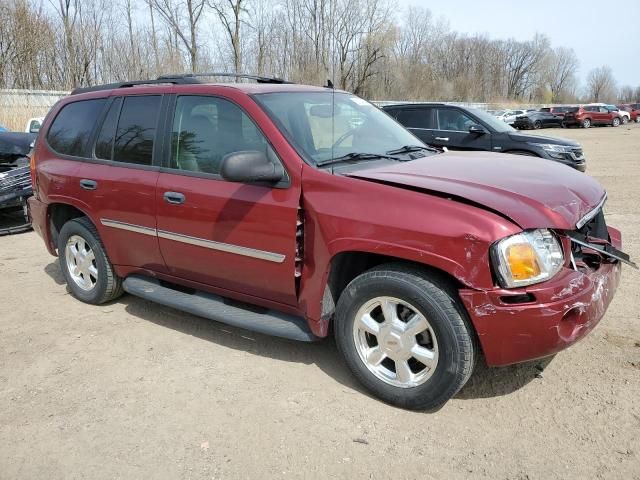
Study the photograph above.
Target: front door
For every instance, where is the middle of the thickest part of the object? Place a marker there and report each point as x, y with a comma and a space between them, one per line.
239, 237
453, 131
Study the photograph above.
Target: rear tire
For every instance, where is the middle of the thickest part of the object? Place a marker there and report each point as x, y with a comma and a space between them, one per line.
586, 123
84, 263
537, 124
625, 120
376, 320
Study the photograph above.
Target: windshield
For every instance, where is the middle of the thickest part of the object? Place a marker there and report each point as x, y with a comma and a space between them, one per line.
493, 122
321, 129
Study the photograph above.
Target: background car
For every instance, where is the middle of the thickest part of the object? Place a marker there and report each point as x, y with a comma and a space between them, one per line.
3, 129
463, 128
625, 116
588, 115
557, 111
634, 113
511, 118
537, 120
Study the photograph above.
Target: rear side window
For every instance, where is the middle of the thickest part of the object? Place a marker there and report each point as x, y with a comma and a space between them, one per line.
69, 134
417, 118
128, 132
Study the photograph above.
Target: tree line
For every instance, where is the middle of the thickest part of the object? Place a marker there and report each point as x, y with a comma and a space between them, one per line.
365, 46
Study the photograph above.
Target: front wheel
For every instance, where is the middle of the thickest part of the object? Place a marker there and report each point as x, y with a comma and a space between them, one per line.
405, 336
84, 263
625, 120
615, 122
586, 123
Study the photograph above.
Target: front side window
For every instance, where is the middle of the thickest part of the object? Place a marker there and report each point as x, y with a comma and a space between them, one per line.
453, 119
206, 129
69, 134
325, 125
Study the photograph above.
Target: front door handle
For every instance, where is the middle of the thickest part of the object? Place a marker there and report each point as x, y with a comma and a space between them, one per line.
88, 184
174, 198
443, 139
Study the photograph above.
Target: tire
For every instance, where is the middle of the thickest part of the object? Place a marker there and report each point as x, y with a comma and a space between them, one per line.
638, 119
563, 125
586, 123
94, 281
417, 295
537, 124
615, 122
625, 120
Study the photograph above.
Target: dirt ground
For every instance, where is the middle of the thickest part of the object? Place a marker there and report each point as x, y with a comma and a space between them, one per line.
135, 390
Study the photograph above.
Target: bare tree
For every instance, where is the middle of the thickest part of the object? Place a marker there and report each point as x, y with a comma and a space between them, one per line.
183, 18
230, 13
601, 84
563, 64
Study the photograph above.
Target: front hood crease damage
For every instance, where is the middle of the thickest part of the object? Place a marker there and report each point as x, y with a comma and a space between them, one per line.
531, 192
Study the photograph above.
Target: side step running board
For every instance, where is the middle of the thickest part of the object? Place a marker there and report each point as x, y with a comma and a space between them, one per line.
213, 307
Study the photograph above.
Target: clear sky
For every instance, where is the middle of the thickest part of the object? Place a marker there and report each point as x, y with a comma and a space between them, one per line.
602, 32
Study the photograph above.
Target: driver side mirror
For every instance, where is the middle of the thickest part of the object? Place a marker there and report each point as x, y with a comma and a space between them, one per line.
250, 166
477, 129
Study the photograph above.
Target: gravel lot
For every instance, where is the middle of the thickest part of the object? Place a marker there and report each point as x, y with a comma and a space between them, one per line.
135, 390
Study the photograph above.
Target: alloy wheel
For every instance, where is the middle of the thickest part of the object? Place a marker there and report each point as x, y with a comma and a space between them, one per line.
81, 263
395, 342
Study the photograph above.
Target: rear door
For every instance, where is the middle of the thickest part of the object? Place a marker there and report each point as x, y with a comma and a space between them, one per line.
118, 182
418, 120
234, 236
453, 131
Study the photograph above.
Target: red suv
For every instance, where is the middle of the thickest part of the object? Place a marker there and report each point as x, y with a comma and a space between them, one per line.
589, 115
298, 211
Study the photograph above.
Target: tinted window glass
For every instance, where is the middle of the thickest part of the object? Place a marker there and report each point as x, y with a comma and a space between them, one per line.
454, 120
71, 129
205, 129
417, 118
107, 135
137, 129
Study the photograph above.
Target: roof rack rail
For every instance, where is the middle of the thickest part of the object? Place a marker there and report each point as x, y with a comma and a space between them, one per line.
112, 86
257, 78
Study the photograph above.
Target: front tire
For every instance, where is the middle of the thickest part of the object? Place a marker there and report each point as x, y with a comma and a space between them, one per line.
405, 336
84, 263
625, 120
615, 122
586, 123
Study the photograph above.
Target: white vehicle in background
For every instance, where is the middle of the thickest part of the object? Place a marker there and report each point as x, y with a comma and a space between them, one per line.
511, 117
34, 124
625, 116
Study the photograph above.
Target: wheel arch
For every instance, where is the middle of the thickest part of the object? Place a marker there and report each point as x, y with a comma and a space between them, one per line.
60, 213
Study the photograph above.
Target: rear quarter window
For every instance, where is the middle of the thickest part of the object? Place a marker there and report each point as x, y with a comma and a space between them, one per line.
70, 131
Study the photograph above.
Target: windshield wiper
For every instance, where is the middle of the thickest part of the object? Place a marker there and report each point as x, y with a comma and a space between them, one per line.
355, 156
411, 148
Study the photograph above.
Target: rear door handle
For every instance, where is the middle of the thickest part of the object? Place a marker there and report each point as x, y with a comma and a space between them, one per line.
175, 198
443, 139
88, 184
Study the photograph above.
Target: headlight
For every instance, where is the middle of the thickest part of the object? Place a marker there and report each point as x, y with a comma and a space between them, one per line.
527, 258
555, 151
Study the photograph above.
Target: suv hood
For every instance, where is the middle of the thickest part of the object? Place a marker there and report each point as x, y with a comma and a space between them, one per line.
523, 137
532, 192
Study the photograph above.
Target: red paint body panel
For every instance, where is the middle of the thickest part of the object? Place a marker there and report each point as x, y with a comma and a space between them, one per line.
518, 187
443, 211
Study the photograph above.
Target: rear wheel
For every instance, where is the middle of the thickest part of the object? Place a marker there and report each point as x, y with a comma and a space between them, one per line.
638, 119
586, 123
615, 122
405, 336
84, 263
537, 124
625, 120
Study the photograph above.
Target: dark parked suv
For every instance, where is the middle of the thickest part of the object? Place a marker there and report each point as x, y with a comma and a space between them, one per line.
463, 128
298, 211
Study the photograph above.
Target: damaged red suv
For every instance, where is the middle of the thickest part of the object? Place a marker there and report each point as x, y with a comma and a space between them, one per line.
298, 211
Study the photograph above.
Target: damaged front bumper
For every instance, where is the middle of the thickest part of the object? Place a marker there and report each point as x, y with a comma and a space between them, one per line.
15, 189
517, 325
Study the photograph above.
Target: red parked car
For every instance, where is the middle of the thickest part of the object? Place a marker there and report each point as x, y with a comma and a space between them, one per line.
298, 211
588, 115
633, 109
